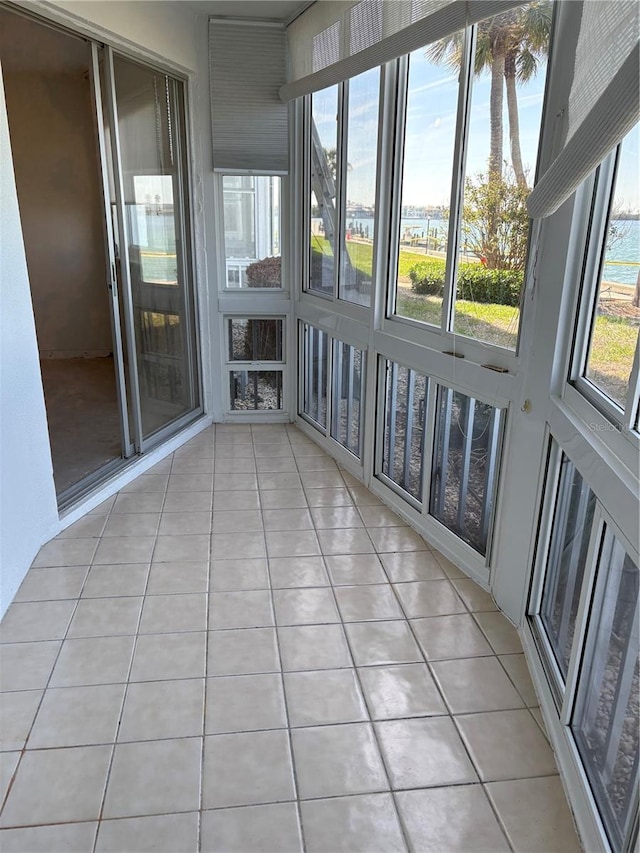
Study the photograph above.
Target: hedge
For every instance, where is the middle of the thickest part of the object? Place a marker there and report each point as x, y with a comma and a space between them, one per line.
475, 282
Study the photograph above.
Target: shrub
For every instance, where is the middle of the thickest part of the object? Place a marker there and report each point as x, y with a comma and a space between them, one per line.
427, 277
476, 283
265, 273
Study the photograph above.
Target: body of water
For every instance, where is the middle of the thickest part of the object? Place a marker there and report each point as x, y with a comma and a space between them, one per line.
622, 259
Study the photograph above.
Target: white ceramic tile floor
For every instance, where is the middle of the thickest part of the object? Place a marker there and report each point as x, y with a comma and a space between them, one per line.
245, 651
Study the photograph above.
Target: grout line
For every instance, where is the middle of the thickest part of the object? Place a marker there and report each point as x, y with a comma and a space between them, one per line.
120, 715
284, 692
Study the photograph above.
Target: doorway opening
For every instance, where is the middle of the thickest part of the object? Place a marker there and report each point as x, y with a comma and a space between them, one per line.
99, 152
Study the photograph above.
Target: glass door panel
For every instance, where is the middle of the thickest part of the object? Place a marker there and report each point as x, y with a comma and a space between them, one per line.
149, 107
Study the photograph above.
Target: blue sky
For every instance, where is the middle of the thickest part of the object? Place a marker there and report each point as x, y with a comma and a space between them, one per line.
431, 116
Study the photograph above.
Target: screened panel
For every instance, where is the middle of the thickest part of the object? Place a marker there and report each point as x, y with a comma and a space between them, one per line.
255, 339
255, 389
502, 150
252, 231
606, 719
404, 429
348, 396
616, 318
360, 188
465, 466
315, 371
429, 141
566, 562
324, 168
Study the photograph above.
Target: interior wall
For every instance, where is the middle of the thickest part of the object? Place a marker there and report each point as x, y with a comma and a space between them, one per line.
28, 509
57, 174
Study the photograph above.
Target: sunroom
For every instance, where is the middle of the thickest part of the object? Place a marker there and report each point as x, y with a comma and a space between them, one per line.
320, 425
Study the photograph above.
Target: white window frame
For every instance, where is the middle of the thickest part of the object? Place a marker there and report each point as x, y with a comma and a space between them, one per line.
261, 224
353, 309
625, 418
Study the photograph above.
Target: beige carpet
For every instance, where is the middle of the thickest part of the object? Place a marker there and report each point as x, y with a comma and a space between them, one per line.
84, 420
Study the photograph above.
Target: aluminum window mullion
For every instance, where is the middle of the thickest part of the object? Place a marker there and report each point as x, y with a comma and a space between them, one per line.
457, 184
125, 269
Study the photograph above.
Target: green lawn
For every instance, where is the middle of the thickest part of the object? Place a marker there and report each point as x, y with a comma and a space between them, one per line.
614, 339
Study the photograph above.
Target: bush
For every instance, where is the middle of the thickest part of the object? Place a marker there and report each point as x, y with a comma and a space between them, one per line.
476, 283
427, 277
265, 273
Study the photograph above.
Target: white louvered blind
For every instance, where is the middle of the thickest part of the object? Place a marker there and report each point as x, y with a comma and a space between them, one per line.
333, 41
604, 102
247, 67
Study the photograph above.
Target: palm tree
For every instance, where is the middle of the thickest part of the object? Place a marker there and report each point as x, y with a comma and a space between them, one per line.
511, 45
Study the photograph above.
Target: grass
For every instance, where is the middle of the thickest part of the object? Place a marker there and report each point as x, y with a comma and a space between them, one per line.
614, 338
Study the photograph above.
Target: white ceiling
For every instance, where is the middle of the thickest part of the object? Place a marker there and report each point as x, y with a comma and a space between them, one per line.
272, 10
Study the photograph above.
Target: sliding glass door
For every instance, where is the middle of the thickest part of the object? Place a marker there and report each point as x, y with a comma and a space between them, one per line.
144, 120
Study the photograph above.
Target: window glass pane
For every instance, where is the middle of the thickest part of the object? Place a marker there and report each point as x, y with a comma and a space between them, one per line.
252, 231
614, 334
572, 522
465, 466
255, 340
256, 389
405, 407
152, 141
360, 187
506, 110
348, 392
606, 721
316, 358
324, 160
429, 139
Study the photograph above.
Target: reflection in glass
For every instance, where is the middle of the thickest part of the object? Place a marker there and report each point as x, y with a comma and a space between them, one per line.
572, 522
360, 188
152, 146
429, 139
348, 392
255, 339
252, 231
465, 466
324, 165
404, 433
506, 109
315, 367
607, 718
256, 389
616, 321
